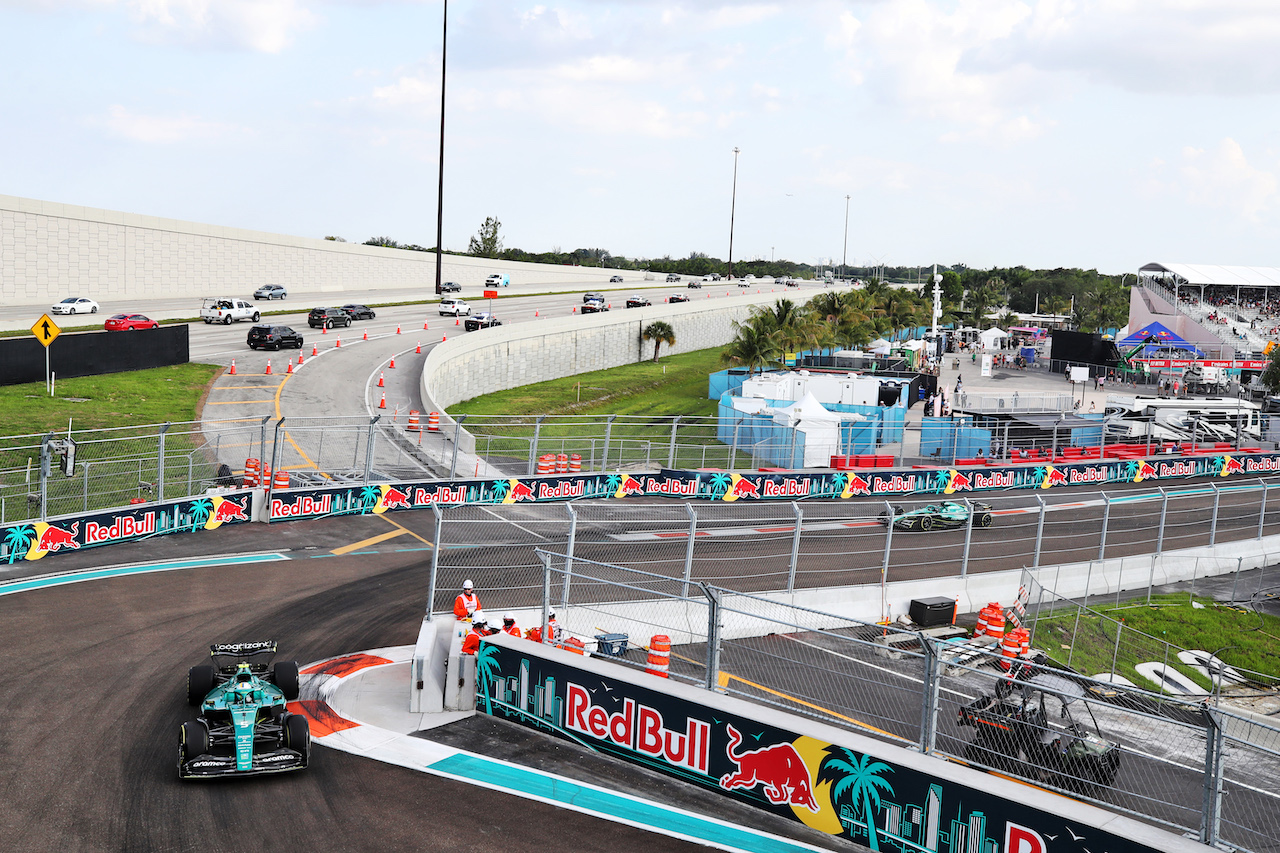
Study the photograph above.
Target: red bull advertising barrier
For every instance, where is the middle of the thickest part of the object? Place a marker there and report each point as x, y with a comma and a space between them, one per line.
835, 781
35, 540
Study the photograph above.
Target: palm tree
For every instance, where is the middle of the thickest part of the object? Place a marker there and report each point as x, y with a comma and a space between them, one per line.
660, 332
369, 496
720, 484
18, 540
200, 512
486, 668
753, 348
499, 488
860, 779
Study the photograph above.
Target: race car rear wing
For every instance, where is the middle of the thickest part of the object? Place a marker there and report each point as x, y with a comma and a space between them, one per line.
242, 651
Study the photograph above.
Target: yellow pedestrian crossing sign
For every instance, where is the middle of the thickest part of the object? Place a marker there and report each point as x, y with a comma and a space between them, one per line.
45, 330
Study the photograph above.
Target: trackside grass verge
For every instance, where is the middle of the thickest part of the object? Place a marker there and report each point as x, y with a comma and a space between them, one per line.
1253, 638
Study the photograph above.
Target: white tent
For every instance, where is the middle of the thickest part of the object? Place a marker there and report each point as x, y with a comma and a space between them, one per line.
819, 426
879, 346
993, 338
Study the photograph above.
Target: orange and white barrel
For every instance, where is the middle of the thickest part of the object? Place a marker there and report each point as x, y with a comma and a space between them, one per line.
250, 473
575, 463
433, 422
980, 630
1024, 640
659, 661
281, 480
547, 463
562, 463
1010, 649
995, 623
413, 425
265, 477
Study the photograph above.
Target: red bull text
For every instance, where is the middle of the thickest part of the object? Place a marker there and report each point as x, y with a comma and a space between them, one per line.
639, 728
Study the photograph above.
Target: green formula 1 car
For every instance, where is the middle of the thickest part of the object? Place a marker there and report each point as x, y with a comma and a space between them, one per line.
244, 727
945, 514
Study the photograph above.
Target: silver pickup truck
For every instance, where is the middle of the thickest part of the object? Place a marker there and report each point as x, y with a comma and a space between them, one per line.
226, 310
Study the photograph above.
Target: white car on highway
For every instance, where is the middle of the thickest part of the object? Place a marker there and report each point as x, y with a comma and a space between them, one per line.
75, 305
454, 307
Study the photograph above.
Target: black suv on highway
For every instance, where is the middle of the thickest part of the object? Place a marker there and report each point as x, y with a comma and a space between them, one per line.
328, 317
359, 312
449, 287
274, 337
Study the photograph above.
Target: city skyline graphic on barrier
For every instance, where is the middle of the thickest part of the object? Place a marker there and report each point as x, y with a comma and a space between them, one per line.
826, 786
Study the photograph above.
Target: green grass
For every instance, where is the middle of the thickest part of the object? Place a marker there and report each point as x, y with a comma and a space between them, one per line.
110, 400
1169, 618
675, 385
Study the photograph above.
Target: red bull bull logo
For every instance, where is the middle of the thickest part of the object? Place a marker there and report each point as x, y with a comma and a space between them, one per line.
54, 538
778, 767
231, 511
959, 482
856, 486
520, 492
393, 498
630, 486
1146, 471
1231, 465
742, 488
1052, 477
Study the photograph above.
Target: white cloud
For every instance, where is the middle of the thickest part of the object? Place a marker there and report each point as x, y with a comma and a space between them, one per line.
1223, 178
165, 129
267, 26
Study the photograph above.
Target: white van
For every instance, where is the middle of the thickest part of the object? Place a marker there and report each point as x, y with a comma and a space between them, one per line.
497, 280
455, 307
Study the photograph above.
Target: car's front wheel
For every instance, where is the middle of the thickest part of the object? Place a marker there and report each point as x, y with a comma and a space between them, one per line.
195, 741
93, 310
926, 522
297, 734
284, 674
984, 520
199, 683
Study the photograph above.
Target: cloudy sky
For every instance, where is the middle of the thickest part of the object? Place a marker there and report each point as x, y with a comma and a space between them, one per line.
1092, 133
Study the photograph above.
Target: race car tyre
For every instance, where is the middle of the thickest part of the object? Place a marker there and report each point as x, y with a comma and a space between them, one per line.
897, 510
926, 522
284, 674
199, 683
883, 516
195, 741
984, 520
297, 733
256, 316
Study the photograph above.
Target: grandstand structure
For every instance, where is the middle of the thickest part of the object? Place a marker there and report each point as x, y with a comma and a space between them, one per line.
1228, 311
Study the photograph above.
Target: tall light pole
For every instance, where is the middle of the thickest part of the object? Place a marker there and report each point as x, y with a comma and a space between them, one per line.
844, 260
444, 47
733, 206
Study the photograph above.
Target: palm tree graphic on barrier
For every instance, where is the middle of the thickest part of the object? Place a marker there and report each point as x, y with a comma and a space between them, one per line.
499, 488
486, 668
200, 511
720, 484
369, 497
837, 484
18, 540
860, 781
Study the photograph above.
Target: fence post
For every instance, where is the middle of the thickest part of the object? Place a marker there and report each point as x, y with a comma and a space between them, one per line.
929, 697
546, 596
275, 464
568, 556
968, 536
671, 449
368, 449
1106, 519
533, 445
1164, 511
457, 428
688, 548
713, 635
160, 466
1151, 579
45, 462
608, 431
1213, 525
1262, 510
795, 547
884, 565
435, 559
1239, 568
86, 491
733, 448
1039, 533
1211, 814
262, 438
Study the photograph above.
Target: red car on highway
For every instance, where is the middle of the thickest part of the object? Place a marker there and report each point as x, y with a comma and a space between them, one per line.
129, 322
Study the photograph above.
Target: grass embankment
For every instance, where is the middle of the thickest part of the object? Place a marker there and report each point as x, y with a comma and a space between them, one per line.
646, 395
1254, 638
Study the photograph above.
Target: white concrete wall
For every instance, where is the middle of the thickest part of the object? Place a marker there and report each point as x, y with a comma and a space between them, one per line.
49, 250
476, 363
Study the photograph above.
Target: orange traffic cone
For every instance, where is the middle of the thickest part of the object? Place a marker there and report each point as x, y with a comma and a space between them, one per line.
366, 334
418, 351
324, 328
382, 404
424, 325
444, 338
289, 372
233, 367
535, 313
393, 362
339, 343
575, 310
315, 349
382, 379
397, 328
268, 370
299, 356
456, 321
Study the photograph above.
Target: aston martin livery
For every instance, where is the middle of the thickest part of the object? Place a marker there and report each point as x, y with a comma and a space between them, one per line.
945, 514
244, 727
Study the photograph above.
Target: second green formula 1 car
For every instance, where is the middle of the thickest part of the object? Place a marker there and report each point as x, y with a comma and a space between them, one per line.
945, 514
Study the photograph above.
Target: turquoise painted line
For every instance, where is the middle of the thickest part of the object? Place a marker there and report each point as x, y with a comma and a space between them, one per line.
668, 820
64, 578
